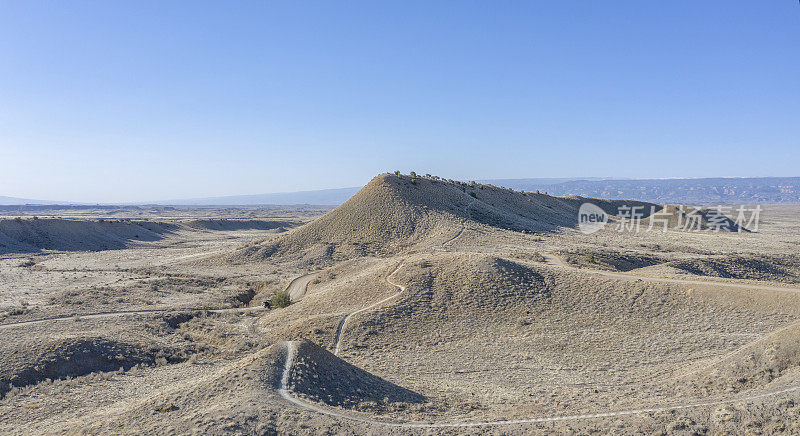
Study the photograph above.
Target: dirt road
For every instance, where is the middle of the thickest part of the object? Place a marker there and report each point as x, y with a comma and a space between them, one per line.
298, 287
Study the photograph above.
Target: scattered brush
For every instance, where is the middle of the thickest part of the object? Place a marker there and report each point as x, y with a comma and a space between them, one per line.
281, 299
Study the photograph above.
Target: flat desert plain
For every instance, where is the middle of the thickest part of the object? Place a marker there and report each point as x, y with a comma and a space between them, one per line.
419, 306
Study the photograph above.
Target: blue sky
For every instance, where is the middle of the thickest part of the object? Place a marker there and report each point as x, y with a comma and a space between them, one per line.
134, 101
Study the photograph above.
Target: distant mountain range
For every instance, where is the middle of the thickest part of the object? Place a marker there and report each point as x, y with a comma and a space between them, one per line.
14, 200
707, 191
675, 191
322, 197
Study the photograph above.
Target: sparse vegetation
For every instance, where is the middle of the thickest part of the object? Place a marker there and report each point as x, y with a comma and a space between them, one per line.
531, 256
281, 299
479, 304
27, 263
167, 408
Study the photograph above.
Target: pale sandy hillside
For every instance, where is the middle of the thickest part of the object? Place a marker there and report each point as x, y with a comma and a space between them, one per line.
395, 212
31, 235
691, 219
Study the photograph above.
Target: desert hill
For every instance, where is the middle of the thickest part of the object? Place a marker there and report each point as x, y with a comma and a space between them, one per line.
438, 302
69, 357
691, 219
320, 376
393, 212
32, 235
506, 327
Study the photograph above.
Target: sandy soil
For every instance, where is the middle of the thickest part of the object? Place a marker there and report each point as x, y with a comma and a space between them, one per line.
459, 320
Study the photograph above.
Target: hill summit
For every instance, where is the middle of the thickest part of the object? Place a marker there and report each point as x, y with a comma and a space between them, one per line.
396, 211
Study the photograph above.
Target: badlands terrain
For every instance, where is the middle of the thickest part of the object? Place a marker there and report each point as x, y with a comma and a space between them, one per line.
420, 306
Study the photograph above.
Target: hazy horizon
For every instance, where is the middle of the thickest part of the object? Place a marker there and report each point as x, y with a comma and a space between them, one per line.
337, 195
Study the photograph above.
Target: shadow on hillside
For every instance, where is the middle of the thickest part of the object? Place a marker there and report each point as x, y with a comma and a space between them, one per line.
235, 224
35, 235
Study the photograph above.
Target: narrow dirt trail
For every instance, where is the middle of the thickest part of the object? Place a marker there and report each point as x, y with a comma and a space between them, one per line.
296, 289
291, 354
299, 286
557, 261
463, 223
201, 255
552, 260
343, 323
102, 315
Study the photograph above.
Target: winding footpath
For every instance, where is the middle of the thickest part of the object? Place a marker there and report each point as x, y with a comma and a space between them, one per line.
553, 260
296, 290
463, 223
343, 323
299, 286
291, 354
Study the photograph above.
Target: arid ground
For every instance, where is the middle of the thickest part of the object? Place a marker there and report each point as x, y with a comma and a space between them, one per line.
420, 306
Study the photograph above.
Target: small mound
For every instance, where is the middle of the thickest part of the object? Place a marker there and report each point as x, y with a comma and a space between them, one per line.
755, 364
456, 284
72, 358
322, 377
690, 218
610, 260
240, 395
449, 295
773, 268
33, 235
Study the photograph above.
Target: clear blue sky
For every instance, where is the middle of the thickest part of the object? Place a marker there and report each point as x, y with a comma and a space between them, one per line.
131, 101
